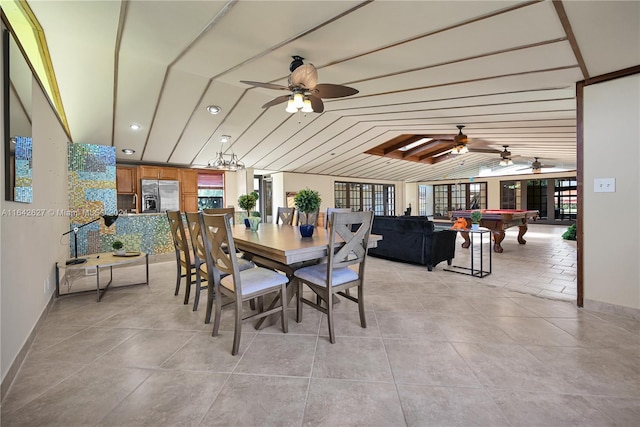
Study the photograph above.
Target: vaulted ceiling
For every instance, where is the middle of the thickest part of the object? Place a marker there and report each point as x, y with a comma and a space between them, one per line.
504, 69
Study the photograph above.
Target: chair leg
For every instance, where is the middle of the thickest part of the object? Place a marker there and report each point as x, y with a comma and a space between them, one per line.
196, 298
187, 292
178, 278
329, 297
363, 320
285, 317
299, 304
237, 330
216, 318
207, 317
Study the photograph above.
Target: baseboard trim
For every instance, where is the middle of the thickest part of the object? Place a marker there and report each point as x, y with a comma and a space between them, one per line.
618, 310
22, 354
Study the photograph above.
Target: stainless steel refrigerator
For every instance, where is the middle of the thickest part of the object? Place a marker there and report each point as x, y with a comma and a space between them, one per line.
160, 195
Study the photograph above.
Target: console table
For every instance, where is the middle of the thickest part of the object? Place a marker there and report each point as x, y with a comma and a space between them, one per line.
99, 262
476, 245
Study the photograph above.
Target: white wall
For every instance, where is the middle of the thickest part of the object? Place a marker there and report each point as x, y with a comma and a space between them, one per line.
32, 244
611, 248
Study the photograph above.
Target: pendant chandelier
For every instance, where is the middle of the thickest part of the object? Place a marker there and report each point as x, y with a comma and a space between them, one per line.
224, 161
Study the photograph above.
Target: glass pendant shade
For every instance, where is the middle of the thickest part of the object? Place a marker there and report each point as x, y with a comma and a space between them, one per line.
307, 108
291, 108
298, 100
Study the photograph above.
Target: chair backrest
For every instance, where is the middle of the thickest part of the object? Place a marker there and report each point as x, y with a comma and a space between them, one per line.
193, 224
216, 235
354, 249
285, 215
327, 218
180, 241
302, 218
221, 211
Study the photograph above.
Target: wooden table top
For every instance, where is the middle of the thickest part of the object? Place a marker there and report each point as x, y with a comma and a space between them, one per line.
283, 243
103, 259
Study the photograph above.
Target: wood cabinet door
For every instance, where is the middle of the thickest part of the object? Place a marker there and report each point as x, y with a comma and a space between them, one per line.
169, 173
189, 203
189, 181
125, 180
149, 172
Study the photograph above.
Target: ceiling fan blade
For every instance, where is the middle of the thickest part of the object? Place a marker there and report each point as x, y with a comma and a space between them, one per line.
264, 85
305, 75
326, 90
316, 104
276, 101
547, 166
483, 150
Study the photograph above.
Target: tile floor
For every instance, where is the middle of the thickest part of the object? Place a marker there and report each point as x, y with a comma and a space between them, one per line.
440, 349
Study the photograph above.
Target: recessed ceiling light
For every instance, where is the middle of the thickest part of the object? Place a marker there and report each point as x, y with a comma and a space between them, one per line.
135, 126
213, 109
128, 151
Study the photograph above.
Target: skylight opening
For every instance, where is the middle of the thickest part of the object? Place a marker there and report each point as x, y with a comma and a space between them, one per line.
415, 144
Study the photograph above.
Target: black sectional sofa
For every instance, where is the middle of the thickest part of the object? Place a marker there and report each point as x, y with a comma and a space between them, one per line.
413, 239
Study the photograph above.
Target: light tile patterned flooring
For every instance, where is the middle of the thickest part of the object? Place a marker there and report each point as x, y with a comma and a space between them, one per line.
440, 349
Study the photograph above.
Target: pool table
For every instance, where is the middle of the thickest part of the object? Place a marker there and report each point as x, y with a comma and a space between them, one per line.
497, 221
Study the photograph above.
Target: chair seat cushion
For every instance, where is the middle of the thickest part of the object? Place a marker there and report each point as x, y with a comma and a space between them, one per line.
317, 274
255, 280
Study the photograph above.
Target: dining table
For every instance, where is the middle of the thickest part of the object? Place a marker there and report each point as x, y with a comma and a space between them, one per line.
284, 244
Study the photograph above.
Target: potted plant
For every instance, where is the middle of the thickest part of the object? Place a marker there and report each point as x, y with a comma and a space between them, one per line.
475, 217
118, 247
307, 201
247, 202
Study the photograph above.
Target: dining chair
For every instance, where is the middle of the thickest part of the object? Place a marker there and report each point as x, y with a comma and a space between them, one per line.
285, 215
185, 267
199, 257
238, 285
218, 211
302, 218
327, 217
200, 262
335, 277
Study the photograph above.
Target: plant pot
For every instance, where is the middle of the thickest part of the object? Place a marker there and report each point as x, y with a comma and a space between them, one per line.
475, 227
247, 223
306, 230
254, 222
120, 252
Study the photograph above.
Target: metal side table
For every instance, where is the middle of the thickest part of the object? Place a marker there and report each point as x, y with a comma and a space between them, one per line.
477, 255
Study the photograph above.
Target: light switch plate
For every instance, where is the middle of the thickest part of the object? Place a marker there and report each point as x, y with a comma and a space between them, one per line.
604, 185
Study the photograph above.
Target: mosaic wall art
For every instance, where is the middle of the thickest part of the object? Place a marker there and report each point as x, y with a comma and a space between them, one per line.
23, 190
92, 193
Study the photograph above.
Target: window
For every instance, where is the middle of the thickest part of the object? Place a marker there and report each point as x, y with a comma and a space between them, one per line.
364, 196
450, 197
537, 196
422, 200
210, 190
566, 199
510, 194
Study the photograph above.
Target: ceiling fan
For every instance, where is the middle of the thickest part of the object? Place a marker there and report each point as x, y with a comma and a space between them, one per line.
505, 157
461, 141
305, 92
536, 166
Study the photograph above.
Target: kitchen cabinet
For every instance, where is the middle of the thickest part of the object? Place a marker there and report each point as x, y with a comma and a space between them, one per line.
189, 190
125, 180
157, 172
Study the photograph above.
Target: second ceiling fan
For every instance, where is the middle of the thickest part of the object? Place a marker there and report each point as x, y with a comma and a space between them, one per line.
305, 93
